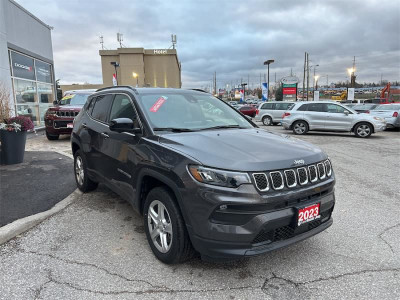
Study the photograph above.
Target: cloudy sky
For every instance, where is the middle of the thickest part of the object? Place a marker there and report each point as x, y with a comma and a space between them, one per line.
233, 38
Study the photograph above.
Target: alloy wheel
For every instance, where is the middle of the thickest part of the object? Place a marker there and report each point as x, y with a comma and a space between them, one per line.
79, 172
299, 128
267, 121
160, 226
363, 130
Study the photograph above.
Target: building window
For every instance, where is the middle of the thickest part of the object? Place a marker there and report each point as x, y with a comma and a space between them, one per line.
22, 66
32, 85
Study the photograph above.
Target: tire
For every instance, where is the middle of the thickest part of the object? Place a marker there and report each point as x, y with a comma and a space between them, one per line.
52, 137
84, 183
176, 247
267, 121
363, 130
300, 127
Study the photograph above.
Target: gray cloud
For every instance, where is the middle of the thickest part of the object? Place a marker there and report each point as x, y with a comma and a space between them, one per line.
232, 38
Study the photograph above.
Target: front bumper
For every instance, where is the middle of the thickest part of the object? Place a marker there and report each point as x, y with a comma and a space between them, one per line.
252, 223
56, 125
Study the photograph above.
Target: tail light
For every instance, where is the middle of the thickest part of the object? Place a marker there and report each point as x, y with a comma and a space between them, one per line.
395, 114
286, 114
257, 111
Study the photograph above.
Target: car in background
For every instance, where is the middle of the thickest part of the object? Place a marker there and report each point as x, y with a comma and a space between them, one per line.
248, 110
231, 103
364, 108
350, 105
328, 116
59, 119
390, 112
270, 113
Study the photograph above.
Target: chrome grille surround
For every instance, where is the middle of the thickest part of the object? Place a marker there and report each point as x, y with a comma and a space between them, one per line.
290, 176
302, 175
312, 170
328, 168
259, 181
321, 171
275, 180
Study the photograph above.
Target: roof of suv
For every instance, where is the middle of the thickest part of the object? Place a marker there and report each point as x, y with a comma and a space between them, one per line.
149, 90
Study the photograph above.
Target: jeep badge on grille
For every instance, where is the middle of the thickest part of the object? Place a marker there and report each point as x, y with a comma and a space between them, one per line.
298, 162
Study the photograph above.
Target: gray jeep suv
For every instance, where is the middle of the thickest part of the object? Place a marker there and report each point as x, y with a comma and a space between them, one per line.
203, 176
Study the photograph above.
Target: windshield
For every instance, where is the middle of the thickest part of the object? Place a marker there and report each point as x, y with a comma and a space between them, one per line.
388, 107
75, 99
190, 111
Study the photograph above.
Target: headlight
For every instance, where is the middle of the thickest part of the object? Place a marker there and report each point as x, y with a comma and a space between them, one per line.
50, 112
219, 177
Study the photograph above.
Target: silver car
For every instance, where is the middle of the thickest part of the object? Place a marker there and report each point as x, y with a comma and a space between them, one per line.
389, 112
330, 116
270, 113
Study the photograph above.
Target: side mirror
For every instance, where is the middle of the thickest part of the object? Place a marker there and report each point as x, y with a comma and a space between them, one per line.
55, 102
124, 125
346, 112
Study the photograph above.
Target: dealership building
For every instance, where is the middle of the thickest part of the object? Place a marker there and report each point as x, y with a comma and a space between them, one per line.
26, 61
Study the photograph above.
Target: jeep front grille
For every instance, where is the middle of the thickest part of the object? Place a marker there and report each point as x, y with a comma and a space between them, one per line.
277, 180
302, 173
261, 181
291, 178
328, 168
312, 170
321, 171
67, 114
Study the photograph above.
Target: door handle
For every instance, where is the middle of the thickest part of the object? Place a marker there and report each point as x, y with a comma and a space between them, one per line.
84, 125
104, 135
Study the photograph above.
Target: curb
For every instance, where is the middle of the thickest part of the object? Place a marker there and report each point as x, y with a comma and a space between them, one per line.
9, 231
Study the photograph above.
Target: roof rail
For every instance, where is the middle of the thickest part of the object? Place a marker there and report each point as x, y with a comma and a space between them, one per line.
199, 90
117, 86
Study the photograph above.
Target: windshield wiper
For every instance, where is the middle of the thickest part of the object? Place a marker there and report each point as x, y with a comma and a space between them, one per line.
222, 127
173, 129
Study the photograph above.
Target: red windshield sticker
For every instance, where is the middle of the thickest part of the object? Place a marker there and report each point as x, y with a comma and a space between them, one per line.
156, 106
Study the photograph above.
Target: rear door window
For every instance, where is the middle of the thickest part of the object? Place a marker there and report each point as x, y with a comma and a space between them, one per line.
304, 107
101, 108
317, 107
267, 106
282, 106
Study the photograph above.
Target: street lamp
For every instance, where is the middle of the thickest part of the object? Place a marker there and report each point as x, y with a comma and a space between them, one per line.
135, 75
268, 62
314, 74
316, 82
115, 64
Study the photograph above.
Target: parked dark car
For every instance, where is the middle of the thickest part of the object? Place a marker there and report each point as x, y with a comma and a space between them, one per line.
176, 161
59, 118
248, 110
364, 108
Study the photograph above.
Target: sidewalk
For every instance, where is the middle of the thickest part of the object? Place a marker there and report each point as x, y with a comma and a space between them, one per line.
36, 185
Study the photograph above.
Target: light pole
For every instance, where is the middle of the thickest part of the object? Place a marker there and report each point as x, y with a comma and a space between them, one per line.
115, 64
135, 75
268, 62
316, 82
314, 75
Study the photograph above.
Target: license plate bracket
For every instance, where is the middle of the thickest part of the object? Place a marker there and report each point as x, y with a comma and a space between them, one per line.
308, 213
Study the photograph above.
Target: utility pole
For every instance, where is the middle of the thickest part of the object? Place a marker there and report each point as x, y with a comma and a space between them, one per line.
353, 76
260, 81
215, 83
308, 74
304, 74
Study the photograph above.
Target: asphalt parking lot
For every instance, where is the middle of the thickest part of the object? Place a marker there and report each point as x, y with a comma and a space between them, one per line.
96, 248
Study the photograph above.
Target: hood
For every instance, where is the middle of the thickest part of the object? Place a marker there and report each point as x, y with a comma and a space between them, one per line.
66, 108
243, 149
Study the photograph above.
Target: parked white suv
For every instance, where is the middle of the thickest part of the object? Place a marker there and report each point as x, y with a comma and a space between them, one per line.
270, 113
330, 116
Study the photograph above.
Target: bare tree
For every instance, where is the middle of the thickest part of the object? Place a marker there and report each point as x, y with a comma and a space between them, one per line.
6, 110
